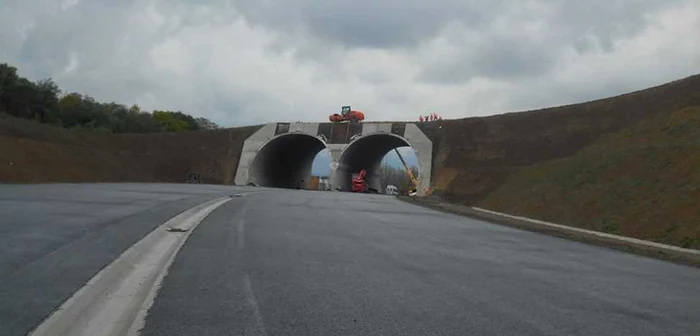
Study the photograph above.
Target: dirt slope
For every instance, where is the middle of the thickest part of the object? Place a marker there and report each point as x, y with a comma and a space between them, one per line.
642, 182
474, 156
32, 153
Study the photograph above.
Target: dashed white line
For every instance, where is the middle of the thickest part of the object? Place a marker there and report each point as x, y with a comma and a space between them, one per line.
256, 327
241, 240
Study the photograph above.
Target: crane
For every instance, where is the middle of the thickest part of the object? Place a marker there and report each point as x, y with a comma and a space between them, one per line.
413, 179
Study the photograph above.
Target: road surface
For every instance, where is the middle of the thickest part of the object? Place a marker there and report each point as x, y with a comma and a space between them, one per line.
291, 262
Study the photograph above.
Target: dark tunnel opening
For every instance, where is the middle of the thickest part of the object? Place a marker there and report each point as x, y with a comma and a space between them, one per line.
366, 153
285, 161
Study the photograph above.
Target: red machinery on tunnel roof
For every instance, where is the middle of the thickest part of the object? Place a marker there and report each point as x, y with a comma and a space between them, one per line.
347, 114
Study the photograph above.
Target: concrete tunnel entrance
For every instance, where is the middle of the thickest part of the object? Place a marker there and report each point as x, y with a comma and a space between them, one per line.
286, 160
367, 153
282, 154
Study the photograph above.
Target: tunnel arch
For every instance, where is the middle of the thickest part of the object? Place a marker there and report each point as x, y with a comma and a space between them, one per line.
367, 152
285, 160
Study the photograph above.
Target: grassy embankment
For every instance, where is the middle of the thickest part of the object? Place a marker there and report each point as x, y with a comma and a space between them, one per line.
642, 182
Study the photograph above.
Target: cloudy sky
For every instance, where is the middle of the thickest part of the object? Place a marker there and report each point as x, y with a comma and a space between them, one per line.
242, 62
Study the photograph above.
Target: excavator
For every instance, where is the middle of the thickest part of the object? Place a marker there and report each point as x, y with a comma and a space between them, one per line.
359, 183
412, 177
347, 114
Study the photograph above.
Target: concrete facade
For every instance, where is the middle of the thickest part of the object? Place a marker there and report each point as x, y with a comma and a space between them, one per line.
251, 146
338, 139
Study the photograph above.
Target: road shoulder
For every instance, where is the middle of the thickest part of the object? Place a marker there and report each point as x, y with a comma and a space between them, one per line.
639, 247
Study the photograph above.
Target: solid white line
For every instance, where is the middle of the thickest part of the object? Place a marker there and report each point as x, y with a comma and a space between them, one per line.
114, 300
241, 241
258, 325
594, 233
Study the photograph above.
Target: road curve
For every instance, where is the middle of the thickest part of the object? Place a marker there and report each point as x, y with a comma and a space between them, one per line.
290, 262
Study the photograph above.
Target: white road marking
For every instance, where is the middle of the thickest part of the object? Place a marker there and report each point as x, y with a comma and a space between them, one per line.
257, 327
115, 301
596, 233
241, 240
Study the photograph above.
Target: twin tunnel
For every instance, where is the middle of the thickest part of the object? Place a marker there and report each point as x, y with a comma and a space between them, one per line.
286, 160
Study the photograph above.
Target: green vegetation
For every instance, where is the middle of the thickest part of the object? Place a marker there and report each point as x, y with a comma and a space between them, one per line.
642, 182
43, 102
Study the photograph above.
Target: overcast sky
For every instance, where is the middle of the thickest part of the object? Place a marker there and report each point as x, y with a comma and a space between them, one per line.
242, 62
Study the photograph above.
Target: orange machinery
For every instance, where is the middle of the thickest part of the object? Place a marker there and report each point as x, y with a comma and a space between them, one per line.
347, 114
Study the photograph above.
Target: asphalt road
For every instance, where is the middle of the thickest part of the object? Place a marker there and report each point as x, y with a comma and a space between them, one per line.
312, 263
54, 238
294, 262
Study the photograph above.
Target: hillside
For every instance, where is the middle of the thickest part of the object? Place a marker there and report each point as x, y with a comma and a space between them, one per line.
474, 156
642, 182
31, 152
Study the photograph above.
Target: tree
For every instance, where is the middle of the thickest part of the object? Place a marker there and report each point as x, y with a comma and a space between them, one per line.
169, 121
45, 101
8, 79
206, 124
42, 102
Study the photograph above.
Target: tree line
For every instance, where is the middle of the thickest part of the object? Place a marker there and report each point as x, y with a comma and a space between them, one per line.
44, 102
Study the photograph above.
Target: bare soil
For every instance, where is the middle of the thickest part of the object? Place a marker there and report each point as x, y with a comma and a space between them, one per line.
35, 153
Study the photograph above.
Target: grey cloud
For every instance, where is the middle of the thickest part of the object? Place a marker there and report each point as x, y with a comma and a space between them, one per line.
391, 23
388, 23
202, 67
367, 23
584, 26
111, 41
497, 58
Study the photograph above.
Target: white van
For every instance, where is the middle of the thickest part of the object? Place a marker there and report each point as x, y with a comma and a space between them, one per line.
392, 190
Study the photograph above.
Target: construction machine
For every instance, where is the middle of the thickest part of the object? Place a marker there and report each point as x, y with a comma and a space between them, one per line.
347, 114
412, 177
358, 181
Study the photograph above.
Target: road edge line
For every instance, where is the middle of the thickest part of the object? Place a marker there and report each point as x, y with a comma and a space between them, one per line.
644, 243
86, 305
679, 255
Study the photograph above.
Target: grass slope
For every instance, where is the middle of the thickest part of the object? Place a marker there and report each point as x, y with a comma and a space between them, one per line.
642, 182
472, 157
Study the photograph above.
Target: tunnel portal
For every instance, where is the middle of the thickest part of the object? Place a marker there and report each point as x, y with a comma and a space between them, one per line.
282, 154
366, 153
284, 161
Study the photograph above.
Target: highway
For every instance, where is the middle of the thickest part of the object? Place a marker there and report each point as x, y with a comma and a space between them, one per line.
294, 262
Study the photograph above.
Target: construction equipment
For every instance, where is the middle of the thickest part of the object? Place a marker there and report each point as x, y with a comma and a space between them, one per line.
358, 181
413, 179
347, 114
